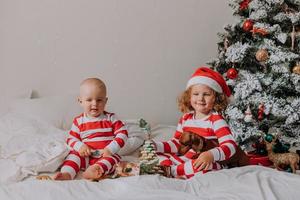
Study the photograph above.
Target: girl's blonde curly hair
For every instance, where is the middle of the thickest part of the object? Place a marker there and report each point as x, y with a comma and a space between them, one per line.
185, 106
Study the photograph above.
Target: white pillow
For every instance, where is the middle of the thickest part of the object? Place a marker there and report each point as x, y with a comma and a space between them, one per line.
132, 144
137, 136
133, 128
163, 132
9, 97
56, 110
135, 139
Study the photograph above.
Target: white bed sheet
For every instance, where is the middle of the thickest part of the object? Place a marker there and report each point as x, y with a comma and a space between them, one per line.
251, 182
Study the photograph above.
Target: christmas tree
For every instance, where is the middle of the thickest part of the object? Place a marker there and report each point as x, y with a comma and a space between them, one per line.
149, 162
259, 56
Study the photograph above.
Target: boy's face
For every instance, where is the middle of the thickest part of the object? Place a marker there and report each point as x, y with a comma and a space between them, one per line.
92, 99
202, 99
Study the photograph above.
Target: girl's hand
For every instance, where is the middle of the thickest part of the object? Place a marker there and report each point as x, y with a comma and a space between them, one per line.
84, 151
106, 152
204, 160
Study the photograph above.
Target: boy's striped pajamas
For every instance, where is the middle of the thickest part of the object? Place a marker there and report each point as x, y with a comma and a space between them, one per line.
212, 127
105, 131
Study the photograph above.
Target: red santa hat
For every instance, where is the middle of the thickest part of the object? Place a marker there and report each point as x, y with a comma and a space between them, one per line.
211, 78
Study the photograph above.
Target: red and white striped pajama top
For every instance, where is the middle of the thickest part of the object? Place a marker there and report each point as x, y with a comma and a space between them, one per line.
105, 131
212, 127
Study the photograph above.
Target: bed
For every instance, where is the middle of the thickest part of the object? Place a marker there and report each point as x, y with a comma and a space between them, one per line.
28, 123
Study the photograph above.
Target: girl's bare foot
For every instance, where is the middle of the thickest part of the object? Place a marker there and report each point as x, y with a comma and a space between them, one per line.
93, 172
62, 176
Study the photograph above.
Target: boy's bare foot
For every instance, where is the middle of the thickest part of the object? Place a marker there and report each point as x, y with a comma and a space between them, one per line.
93, 172
62, 176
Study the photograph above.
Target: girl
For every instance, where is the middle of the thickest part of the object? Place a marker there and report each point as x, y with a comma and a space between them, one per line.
206, 95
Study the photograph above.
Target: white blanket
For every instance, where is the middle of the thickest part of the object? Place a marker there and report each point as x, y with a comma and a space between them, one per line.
251, 182
29, 146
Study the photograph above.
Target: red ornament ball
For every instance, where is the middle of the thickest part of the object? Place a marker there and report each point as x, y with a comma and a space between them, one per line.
244, 4
232, 73
248, 25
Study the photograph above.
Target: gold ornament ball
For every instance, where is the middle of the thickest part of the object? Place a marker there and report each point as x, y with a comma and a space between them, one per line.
262, 55
296, 69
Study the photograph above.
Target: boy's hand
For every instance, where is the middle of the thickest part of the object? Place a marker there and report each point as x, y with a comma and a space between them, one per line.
106, 152
84, 151
203, 161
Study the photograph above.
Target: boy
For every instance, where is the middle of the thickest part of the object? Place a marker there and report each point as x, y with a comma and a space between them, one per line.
95, 137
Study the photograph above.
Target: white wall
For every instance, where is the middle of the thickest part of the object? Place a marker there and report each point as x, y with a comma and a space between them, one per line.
145, 50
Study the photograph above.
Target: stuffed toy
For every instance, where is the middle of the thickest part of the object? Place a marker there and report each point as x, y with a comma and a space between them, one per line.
189, 140
43, 177
124, 169
290, 159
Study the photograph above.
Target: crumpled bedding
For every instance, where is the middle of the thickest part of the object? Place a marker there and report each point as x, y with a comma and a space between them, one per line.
247, 183
29, 146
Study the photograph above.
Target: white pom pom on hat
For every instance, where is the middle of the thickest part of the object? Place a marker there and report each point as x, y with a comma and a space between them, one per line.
212, 79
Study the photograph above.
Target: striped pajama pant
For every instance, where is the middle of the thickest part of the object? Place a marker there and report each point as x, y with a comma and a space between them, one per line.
182, 166
74, 162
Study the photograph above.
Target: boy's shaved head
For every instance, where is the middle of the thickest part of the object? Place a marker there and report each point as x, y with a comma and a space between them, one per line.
95, 82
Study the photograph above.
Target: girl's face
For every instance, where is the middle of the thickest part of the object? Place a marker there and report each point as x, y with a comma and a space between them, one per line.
202, 99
